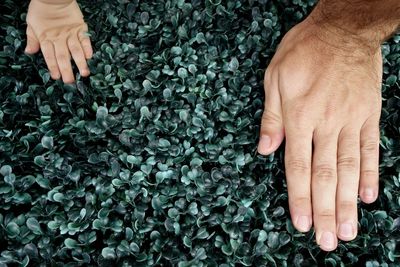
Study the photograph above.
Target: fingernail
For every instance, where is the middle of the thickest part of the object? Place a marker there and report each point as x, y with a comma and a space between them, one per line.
85, 72
346, 230
369, 194
303, 223
327, 240
264, 144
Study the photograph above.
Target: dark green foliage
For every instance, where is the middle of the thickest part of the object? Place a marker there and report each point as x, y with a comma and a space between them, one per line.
152, 160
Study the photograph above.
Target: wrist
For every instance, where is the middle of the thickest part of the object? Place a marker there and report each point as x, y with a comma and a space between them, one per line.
363, 23
348, 40
55, 2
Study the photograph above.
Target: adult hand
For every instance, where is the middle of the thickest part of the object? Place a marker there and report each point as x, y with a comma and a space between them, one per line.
58, 29
322, 93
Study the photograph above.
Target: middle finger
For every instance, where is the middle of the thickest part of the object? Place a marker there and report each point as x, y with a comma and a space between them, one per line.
64, 60
348, 177
323, 187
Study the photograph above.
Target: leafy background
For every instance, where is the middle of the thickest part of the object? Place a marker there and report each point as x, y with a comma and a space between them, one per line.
152, 160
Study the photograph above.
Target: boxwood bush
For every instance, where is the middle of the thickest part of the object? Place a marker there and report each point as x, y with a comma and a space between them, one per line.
152, 161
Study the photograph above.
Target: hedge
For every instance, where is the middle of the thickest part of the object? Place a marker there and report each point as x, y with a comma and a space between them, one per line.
152, 160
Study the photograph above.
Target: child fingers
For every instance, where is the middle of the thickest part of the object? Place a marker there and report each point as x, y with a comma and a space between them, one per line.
49, 55
64, 61
85, 42
32, 44
78, 55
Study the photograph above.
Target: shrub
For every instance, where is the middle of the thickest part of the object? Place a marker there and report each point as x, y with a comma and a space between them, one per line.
152, 160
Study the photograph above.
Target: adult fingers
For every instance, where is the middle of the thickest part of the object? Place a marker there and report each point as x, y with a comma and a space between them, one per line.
78, 55
85, 42
64, 61
348, 172
324, 181
298, 159
298, 151
32, 44
271, 131
369, 174
48, 51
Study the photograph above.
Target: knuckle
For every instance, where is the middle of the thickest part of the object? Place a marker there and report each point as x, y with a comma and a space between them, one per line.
326, 213
348, 163
62, 57
84, 27
45, 42
271, 117
347, 205
50, 58
74, 49
298, 165
330, 112
369, 146
369, 174
86, 42
300, 202
299, 112
325, 172
325, 131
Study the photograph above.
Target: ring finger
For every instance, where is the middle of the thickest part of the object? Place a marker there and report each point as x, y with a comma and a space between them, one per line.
78, 55
348, 165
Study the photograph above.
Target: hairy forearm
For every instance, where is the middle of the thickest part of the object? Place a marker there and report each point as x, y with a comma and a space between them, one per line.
55, 2
367, 21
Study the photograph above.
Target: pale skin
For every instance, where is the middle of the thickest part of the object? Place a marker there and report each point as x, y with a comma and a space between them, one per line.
324, 98
322, 94
57, 28
327, 105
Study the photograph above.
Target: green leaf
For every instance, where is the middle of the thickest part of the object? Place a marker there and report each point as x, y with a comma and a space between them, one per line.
97, 224
33, 225
176, 50
134, 247
187, 241
43, 182
47, 142
145, 112
234, 64
262, 236
39, 160
391, 80
53, 225
118, 94
5, 189
117, 182
70, 243
58, 197
24, 262
5, 170
201, 254
12, 230
108, 253
182, 73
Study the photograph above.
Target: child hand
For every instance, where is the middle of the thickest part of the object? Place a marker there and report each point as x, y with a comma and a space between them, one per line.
57, 28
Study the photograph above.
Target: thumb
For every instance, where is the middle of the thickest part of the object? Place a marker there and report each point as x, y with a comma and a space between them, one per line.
272, 131
32, 44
